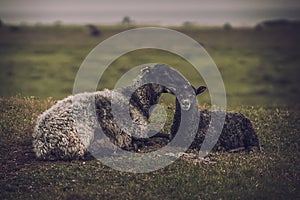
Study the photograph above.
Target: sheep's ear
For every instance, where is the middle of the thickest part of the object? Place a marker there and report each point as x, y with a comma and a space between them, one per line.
169, 90
200, 90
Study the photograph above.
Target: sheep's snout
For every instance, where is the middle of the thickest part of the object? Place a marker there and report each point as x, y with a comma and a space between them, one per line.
185, 104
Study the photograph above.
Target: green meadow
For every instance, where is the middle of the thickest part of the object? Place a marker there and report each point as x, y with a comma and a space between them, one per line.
258, 67
260, 70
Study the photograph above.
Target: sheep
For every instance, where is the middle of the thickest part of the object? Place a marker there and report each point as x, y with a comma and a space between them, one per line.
67, 129
237, 133
93, 30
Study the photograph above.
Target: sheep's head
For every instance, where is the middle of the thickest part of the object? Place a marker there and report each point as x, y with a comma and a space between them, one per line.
184, 96
168, 80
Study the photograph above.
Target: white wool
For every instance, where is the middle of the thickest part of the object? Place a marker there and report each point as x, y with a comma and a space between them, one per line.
67, 129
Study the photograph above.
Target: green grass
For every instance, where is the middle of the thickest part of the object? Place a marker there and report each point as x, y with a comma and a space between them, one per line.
258, 67
272, 173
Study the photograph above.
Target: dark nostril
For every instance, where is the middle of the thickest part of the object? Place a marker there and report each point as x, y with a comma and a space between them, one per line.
185, 104
185, 101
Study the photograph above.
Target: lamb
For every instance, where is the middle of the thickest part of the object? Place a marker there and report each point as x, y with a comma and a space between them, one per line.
237, 133
68, 128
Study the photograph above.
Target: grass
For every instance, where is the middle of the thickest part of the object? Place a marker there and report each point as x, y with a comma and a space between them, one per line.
258, 67
272, 173
38, 65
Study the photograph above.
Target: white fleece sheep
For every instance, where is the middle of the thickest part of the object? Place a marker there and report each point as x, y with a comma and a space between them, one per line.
67, 129
58, 136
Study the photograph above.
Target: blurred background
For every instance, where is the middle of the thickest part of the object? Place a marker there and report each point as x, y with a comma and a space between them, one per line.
255, 44
162, 12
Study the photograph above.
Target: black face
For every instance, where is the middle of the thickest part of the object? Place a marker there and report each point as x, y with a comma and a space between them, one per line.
185, 97
171, 81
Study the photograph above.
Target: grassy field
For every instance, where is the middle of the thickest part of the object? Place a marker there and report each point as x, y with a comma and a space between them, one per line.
272, 173
260, 69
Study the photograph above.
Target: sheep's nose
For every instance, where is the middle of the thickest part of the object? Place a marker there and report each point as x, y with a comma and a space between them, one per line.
185, 104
